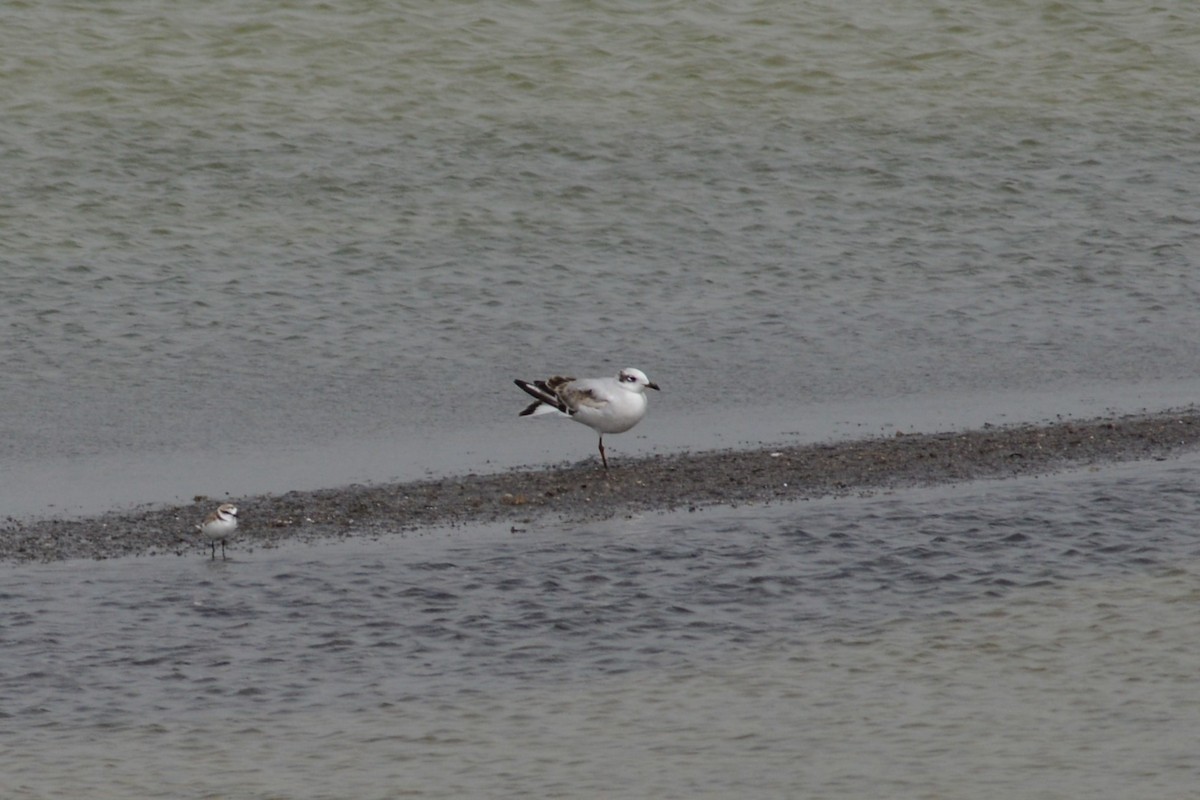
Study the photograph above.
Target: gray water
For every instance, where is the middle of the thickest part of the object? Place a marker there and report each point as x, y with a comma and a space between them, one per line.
1028, 638
257, 247
252, 247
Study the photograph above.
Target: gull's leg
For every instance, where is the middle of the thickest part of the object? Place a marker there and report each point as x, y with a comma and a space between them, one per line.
602, 458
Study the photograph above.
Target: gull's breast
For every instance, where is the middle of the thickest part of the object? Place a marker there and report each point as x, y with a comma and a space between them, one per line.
617, 416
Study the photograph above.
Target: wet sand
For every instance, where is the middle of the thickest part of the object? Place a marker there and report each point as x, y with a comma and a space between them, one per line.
583, 491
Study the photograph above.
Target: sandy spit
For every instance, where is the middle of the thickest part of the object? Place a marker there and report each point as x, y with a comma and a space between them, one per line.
583, 491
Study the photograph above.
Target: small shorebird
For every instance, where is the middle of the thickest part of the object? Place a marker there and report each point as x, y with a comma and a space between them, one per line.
606, 405
218, 525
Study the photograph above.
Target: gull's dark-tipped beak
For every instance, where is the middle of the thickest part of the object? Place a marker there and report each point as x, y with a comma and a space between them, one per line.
653, 386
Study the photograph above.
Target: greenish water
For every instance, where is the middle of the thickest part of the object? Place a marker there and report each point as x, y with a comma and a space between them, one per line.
246, 246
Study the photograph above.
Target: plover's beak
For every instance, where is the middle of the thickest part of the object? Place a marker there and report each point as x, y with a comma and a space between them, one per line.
653, 386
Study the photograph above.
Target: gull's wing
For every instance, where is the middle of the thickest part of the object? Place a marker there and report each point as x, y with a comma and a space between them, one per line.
546, 394
582, 394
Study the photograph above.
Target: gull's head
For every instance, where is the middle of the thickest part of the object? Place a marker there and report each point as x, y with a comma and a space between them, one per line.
635, 380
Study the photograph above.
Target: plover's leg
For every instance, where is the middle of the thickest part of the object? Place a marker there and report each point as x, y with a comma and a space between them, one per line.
602, 457
214, 549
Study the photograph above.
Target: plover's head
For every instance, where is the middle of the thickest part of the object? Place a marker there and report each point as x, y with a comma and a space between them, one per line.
228, 509
635, 379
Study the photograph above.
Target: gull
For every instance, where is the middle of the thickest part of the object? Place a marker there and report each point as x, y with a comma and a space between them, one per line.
606, 405
218, 525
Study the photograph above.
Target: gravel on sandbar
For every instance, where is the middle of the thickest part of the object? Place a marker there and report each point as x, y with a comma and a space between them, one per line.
584, 491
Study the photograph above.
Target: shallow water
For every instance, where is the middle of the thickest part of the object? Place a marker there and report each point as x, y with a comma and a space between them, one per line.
1022, 638
251, 247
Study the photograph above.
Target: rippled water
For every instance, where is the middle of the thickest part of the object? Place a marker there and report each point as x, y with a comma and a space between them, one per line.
1027, 638
254, 247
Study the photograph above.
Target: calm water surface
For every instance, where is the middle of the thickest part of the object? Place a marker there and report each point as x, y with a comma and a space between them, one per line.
1027, 638
256, 247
